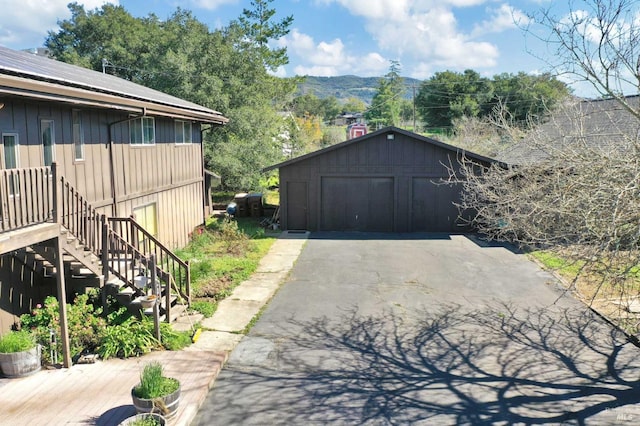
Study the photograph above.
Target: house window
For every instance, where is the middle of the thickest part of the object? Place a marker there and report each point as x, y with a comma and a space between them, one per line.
183, 132
10, 159
48, 141
76, 133
142, 131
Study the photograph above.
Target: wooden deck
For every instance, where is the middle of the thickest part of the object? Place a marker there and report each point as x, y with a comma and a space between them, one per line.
34, 234
100, 393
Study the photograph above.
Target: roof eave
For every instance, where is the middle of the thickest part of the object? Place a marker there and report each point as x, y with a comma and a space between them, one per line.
24, 87
389, 129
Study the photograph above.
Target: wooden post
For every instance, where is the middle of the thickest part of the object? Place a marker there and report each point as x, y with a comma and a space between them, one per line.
156, 292
105, 247
188, 284
57, 194
133, 234
62, 301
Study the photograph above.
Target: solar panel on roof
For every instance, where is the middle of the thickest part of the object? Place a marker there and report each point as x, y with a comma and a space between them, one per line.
40, 68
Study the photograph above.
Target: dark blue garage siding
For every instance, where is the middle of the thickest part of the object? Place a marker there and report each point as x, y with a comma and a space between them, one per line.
357, 204
387, 181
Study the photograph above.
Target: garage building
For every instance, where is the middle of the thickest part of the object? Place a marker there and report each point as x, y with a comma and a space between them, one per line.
387, 181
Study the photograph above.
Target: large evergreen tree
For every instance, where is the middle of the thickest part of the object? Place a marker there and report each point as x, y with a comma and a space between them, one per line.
227, 70
386, 103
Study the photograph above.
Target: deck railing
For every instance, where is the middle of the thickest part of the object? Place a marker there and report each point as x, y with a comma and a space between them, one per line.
26, 197
36, 195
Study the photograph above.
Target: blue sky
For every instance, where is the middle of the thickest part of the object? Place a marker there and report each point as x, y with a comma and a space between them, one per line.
339, 37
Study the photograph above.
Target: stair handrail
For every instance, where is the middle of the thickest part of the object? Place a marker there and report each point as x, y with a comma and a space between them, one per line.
79, 218
121, 257
106, 238
169, 267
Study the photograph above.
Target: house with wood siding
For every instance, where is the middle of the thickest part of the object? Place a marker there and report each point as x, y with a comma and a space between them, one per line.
98, 177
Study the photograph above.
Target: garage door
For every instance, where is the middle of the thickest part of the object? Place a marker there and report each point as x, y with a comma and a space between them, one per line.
432, 208
357, 204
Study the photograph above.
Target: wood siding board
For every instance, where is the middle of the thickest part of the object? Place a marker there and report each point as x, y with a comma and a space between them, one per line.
344, 182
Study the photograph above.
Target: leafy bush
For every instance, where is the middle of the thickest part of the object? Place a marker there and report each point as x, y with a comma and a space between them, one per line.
231, 237
85, 326
144, 421
173, 340
153, 383
130, 338
17, 341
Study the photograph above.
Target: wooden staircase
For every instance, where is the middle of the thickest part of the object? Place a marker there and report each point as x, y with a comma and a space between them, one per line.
114, 254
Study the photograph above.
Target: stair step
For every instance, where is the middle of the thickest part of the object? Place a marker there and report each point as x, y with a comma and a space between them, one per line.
176, 311
81, 271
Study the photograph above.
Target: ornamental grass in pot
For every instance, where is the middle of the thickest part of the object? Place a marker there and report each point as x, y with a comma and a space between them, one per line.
19, 354
144, 419
156, 393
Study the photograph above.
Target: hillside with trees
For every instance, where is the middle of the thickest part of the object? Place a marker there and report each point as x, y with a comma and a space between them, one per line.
230, 69
346, 87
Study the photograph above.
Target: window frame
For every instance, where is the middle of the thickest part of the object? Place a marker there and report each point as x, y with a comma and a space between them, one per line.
52, 146
14, 189
182, 125
16, 138
139, 125
77, 135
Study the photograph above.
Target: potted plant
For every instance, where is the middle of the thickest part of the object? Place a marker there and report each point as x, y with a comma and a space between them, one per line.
156, 393
144, 419
19, 354
147, 301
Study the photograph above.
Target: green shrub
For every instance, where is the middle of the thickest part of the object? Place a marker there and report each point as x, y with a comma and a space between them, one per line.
153, 383
144, 421
131, 338
17, 341
86, 326
173, 340
231, 237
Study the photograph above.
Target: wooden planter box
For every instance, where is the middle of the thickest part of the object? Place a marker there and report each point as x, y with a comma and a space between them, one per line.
20, 364
144, 416
167, 405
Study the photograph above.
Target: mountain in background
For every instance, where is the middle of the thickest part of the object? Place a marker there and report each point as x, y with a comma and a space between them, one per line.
349, 86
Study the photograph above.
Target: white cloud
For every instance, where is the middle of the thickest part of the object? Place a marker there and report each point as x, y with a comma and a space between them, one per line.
211, 4
503, 18
329, 58
397, 9
26, 25
426, 32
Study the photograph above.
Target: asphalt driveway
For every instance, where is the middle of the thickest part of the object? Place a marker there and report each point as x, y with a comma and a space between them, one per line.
424, 329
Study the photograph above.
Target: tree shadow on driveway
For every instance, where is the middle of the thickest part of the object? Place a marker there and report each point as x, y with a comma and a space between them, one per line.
494, 365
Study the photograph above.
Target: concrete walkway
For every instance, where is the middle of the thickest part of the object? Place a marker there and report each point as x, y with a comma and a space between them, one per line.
100, 393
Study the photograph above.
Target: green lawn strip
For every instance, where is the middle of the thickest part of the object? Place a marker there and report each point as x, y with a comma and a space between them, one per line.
551, 260
221, 257
570, 268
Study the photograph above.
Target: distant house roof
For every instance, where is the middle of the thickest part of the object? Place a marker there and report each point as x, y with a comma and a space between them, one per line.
600, 124
26, 74
375, 134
